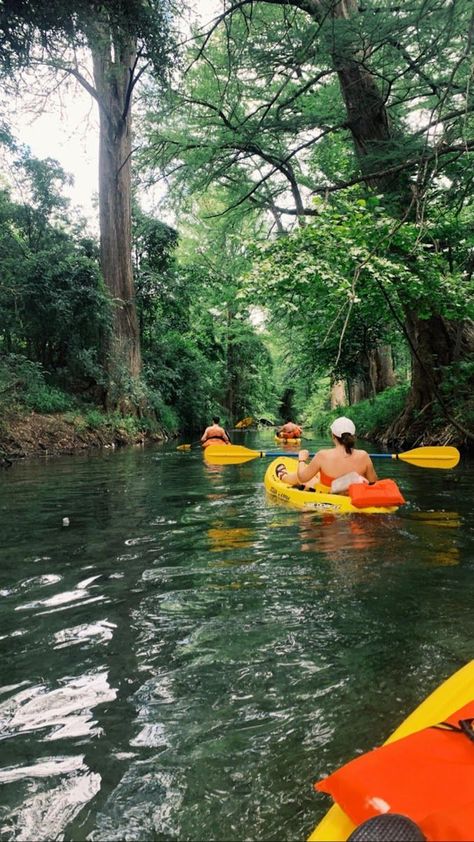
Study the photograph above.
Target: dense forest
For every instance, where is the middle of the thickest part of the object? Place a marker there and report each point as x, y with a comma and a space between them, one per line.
315, 157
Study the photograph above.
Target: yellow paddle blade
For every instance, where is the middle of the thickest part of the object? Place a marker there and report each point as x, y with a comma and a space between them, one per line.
246, 422
183, 447
228, 454
431, 457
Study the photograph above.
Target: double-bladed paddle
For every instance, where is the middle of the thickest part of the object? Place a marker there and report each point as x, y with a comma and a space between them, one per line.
423, 457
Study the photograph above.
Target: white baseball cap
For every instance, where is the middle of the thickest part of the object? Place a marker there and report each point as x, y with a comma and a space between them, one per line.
342, 425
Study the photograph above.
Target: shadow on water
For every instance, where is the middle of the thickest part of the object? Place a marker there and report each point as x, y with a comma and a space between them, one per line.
180, 661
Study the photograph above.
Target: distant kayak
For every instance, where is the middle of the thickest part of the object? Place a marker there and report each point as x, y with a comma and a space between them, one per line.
244, 423
455, 693
320, 499
286, 440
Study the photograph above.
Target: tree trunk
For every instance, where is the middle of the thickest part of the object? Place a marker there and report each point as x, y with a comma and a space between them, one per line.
230, 366
113, 63
358, 391
376, 374
338, 394
383, 375
438, 342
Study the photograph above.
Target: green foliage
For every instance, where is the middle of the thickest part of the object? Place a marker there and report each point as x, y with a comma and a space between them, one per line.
370, 417
26, 26
288, 101
92, 419
180, 376
112, 422
253, 131
166, 416
18, 376
337, 286
201, 353
53, 308
22, 383
458, 393
48, 399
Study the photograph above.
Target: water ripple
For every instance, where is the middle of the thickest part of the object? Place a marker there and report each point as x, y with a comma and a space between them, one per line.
184, 660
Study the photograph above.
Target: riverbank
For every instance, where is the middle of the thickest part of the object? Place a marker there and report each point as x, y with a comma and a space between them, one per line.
35, 434
25, 433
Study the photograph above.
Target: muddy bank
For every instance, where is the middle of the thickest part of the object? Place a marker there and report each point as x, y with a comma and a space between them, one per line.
33, 434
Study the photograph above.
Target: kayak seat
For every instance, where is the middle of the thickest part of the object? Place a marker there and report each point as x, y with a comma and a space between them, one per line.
388, 827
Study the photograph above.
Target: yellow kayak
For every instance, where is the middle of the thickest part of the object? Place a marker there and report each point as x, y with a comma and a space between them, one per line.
284, 440
319, 500
450, 696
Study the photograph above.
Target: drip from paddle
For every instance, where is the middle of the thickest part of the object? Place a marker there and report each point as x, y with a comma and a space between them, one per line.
423, 457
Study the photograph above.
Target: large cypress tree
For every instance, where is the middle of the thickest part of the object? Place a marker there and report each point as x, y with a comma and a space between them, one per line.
124, 38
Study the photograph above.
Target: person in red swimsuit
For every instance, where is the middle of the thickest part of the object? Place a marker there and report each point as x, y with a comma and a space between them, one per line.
334, 463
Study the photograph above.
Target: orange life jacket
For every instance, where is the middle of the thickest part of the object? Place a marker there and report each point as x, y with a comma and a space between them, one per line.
384, 492
427, 776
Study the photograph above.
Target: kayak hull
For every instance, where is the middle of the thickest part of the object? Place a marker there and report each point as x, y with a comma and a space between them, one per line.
286, 440
450, 696
213, 443
319, 500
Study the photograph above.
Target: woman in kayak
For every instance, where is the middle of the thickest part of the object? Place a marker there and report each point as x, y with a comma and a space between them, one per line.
333, 464
214, 434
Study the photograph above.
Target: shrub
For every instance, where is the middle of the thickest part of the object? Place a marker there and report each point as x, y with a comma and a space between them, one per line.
46, 399
372, 415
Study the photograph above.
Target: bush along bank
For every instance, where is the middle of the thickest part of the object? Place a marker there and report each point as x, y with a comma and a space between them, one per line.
25, 433
373, 418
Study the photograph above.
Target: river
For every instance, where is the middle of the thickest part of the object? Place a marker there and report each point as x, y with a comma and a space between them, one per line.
186, 658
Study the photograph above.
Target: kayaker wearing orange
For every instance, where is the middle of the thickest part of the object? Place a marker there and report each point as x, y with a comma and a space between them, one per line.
334, 463
214, 434
289, 430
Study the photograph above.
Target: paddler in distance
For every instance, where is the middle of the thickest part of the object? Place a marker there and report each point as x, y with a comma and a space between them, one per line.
290, 430
338, 467
214, 434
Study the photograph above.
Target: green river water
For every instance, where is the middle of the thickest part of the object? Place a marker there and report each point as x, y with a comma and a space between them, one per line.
186, 658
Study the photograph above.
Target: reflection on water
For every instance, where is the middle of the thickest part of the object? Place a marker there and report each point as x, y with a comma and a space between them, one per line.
66, 711
430, 526
56, 791
442, 520
178, 662
333, 535
229, 539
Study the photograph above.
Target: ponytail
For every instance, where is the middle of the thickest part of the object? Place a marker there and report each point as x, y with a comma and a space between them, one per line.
348, 441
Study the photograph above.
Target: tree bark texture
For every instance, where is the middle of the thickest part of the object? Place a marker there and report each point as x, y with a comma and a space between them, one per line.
338, 394
376, 373
113, 63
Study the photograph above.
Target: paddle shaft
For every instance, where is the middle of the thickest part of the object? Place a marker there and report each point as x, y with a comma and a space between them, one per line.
275, 453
